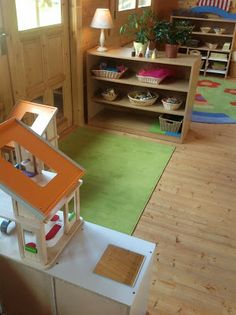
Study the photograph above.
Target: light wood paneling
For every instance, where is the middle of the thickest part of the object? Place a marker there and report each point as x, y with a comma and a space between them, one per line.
191, 216
6, 97
164, 9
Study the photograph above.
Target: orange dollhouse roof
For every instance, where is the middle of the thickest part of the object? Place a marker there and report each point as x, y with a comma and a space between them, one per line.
41, 200
45, 114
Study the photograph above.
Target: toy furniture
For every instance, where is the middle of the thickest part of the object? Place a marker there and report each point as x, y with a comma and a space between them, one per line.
40, 194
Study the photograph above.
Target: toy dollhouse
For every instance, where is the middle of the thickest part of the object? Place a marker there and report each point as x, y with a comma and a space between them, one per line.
40, 193
40, 118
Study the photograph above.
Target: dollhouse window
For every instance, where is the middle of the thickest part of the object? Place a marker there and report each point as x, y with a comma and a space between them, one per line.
29, 118
72, 209
39, 13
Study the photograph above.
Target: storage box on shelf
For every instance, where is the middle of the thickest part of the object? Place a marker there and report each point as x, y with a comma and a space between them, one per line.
211, 36
123, 115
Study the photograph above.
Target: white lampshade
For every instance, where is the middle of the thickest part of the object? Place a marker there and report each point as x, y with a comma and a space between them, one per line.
102, 19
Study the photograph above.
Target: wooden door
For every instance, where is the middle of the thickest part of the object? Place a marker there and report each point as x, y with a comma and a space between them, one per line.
39, 56
6, 97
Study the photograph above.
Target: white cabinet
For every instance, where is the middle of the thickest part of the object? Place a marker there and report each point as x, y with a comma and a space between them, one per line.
71, 286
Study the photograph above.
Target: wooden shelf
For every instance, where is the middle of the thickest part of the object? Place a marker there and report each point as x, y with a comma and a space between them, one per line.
179, 85
218, 59
206, 49
219, 20
121, 114
228, 36
213, 34
130, 122
156, 108
216, 71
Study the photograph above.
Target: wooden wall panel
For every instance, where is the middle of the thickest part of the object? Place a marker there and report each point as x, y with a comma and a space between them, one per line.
90, 35
164, 8
55, 62
33, 61
6, 97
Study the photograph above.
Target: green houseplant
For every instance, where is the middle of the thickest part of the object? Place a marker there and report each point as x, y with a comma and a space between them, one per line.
141, 26
172, 34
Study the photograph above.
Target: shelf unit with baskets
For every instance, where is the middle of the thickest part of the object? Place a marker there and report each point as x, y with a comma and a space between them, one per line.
122, 114
214, 40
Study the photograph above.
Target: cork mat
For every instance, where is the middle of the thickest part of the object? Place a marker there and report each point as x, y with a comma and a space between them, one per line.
119, 264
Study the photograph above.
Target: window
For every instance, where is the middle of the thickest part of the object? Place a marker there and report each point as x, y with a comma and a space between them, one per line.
124, 5
37, 13
144, 3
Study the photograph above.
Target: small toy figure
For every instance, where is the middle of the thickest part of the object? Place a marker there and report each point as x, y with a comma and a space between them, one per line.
154, 54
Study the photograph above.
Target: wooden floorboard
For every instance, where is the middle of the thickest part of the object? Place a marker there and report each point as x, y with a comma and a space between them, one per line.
192, 218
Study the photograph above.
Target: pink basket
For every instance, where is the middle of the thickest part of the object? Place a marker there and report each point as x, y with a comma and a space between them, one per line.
154, 76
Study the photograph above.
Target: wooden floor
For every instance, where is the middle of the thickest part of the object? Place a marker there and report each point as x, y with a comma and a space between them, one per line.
192, 218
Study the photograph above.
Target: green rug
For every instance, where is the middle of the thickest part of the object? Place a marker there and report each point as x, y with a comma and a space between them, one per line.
215, 100
121, 173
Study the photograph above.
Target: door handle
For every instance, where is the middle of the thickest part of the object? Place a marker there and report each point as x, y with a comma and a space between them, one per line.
3, 46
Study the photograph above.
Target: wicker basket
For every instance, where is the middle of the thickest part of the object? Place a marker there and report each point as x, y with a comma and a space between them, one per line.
150, 80
108, 74
139, 102
171, 106
170, 123
109, 97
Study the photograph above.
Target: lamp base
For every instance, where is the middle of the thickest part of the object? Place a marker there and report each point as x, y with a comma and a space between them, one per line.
101, 49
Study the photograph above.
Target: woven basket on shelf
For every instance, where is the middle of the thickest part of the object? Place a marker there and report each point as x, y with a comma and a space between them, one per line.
150, 80
108, 74
109, 97
139, 102
171, 106
170, 123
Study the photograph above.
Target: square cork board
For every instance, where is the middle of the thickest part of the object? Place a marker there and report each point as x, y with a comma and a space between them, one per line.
119, 264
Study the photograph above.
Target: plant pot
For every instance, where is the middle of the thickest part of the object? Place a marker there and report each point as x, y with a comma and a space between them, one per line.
171, 50
140, 48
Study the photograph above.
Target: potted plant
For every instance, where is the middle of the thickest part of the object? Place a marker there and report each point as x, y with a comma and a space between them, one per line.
172, 34
141, 26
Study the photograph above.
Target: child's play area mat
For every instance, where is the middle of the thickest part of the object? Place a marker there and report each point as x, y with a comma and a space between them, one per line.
121, 174
215, 101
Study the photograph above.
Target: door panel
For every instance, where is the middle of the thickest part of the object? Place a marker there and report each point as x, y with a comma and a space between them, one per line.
39, 61
6, 97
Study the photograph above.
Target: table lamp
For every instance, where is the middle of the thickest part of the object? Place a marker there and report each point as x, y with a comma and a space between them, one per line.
102, 19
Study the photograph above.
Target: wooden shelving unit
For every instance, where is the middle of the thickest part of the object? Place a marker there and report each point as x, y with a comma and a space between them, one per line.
223, 55
124, 116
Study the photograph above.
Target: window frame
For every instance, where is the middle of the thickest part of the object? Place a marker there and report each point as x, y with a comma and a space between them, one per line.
135, 9
38, 18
